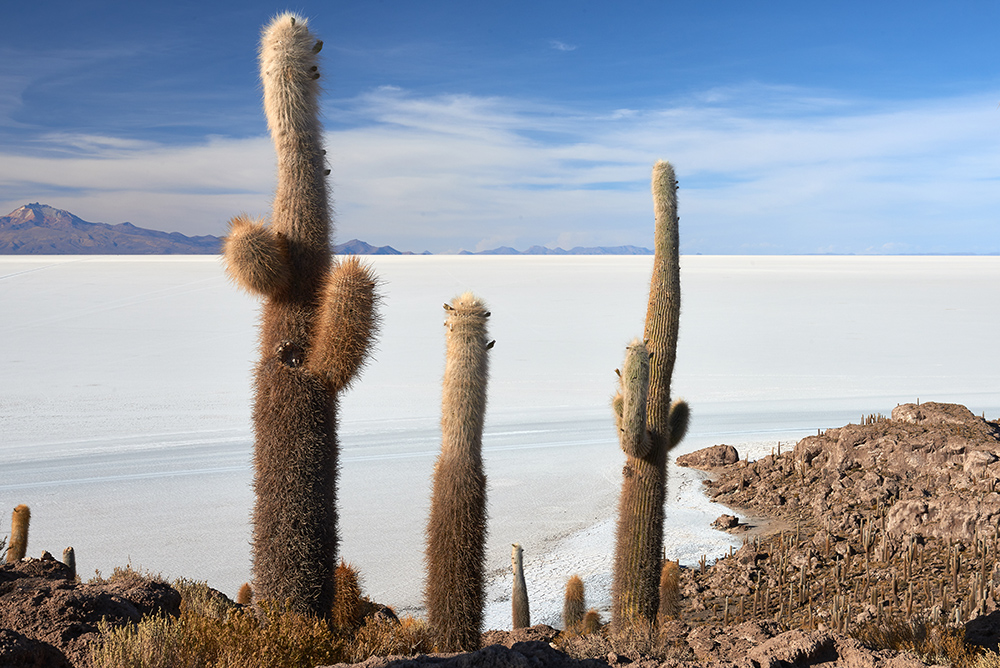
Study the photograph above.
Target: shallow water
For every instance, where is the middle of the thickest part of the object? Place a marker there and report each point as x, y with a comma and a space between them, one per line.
125, 399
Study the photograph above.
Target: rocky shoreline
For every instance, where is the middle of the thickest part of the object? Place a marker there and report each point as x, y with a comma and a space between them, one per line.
869, 527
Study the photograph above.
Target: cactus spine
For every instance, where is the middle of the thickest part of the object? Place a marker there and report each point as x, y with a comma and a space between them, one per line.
646, 439
317, 325
520, 614
19, 521
456, 530
574, 604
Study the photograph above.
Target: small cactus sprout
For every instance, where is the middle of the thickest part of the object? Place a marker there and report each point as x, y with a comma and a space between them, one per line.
456, 530
591, 622
69, 558
348, 605
519, 598
574, 604
245, 595
18, 547
670, 591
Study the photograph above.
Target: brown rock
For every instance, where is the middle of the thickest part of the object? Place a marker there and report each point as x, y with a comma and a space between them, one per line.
794, 648
19, 651
726, 522
38, 601
710, 458
520, 655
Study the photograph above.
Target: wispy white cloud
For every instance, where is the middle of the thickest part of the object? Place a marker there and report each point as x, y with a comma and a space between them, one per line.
761, 170
561, 46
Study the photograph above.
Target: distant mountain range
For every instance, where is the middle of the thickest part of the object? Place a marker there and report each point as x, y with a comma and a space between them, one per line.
39, 229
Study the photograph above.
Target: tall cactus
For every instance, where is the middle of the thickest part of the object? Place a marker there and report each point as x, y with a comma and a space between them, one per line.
456, 531
317, 326
649, 425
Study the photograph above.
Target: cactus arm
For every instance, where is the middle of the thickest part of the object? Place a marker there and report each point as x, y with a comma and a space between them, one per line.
680, 416
256, 257
347, 324
632, 434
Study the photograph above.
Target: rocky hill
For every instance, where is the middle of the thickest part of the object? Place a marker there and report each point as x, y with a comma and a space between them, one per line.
38, 229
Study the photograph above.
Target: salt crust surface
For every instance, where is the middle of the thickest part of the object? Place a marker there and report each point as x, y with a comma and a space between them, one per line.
125, 399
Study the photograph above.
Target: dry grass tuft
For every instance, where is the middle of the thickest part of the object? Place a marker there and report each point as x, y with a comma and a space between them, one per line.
931, 642
637, 642
281, 639
127, 576
381, 637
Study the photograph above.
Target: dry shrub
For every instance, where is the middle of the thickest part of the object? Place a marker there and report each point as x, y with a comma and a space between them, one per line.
200, 599
382, 637
127, 576
280, 639
988, 660
638, 641
931, 642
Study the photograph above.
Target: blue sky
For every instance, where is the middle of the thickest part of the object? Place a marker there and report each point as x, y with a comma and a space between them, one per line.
794, 127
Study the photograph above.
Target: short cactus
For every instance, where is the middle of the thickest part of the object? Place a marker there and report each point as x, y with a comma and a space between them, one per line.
317, 326
18, 546
69, 558
647, 438
574, 604
456, 529
245, 595
591, 622
670, 591
348, 606
520, 615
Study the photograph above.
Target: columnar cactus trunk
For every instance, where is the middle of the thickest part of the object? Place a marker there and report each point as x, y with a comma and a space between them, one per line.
456, 530
520, 614
648, 435
317, 325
